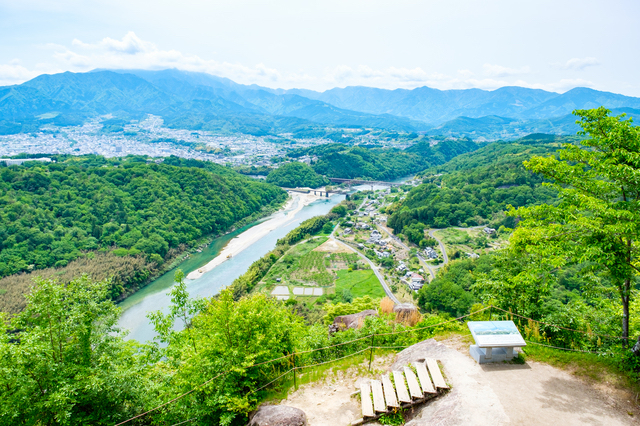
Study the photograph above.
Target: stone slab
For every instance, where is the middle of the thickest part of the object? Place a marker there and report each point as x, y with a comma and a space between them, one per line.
401, 387
436, 375
490, 355
423, 376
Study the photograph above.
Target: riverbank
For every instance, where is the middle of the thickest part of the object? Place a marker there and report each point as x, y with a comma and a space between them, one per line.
250, 236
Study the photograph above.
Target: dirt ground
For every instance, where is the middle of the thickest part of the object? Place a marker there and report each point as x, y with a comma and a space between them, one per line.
528, 394
332, 246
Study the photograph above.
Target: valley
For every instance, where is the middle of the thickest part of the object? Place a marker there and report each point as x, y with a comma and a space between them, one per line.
210, 265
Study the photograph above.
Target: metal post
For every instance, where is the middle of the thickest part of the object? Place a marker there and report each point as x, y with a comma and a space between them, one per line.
490, 312
371, 352
295, 381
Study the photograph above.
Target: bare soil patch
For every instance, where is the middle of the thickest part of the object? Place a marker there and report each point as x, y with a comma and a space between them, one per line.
332, 246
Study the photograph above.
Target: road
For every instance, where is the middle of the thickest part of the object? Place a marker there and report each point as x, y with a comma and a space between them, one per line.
445, 258
403, 245
374, 268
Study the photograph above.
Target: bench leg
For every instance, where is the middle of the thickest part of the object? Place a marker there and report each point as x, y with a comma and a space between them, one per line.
509, 353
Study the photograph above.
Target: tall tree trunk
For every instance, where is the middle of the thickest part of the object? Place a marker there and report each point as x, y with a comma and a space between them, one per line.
625, 312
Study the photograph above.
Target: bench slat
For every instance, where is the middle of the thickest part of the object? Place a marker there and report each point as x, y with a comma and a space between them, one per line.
423, 375
365, 399
401, 387
412, 381
378, 398
389, 392
436, 375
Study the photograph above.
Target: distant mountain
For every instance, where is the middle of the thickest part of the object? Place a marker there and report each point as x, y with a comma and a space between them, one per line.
494, 127
202, 101
581, 98
189, 100
437, 106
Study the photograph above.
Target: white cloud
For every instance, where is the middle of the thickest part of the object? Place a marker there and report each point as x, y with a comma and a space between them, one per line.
131, 52
14, 73
499, 71
130, 44
580, 63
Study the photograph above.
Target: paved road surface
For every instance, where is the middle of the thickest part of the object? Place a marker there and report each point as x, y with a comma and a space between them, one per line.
403, 245
374, 268
445, 258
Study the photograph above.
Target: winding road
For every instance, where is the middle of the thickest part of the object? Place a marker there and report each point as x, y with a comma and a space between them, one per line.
445, 258
374, 268
404, 246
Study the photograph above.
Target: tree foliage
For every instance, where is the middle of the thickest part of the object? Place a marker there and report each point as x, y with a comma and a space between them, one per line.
125, 274
472, 188
296, 174
597, 222
64, 362
51, 213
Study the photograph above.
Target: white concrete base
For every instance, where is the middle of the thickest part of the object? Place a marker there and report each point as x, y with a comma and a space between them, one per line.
487, 355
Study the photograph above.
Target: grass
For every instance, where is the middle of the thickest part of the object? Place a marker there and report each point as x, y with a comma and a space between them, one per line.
359, 283
453, 236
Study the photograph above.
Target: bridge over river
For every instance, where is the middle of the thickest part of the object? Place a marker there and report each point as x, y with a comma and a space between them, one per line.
350, 182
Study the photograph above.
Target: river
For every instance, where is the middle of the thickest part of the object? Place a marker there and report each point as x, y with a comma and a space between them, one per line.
154, 296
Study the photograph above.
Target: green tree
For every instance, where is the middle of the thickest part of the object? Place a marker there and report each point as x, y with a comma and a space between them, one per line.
296, 174
182, 308
597, 220
66, 362
231, 337
327, 228
445, 296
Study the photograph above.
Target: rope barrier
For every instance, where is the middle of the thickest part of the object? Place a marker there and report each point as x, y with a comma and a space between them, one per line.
558, 326
171, 401
363, 350
564, 349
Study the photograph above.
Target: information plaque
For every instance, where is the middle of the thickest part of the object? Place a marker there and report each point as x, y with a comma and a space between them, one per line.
496, 334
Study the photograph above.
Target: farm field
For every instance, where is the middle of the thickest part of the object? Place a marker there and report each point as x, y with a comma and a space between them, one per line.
359, 283
313, 268
468, 240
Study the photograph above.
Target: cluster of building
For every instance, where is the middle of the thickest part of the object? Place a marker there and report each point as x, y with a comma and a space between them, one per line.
430, 253
19, 161
149, 137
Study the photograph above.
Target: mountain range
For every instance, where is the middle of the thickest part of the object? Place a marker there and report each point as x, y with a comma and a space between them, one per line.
203, 101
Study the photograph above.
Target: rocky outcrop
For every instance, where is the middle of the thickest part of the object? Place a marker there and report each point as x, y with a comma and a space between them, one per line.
406, 313
278, 415
469, 402
344, 322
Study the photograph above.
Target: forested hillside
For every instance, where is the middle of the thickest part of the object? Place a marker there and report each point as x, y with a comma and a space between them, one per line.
338, 160
53, 213
471, 188
296, 174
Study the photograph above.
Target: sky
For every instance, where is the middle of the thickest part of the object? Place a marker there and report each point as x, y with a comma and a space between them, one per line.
445, 44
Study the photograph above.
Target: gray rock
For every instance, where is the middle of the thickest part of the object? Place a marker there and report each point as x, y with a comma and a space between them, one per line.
354, 320
278, 415
469, 402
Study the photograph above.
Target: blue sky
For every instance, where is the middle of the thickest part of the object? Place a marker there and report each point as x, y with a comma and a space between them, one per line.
453, 44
